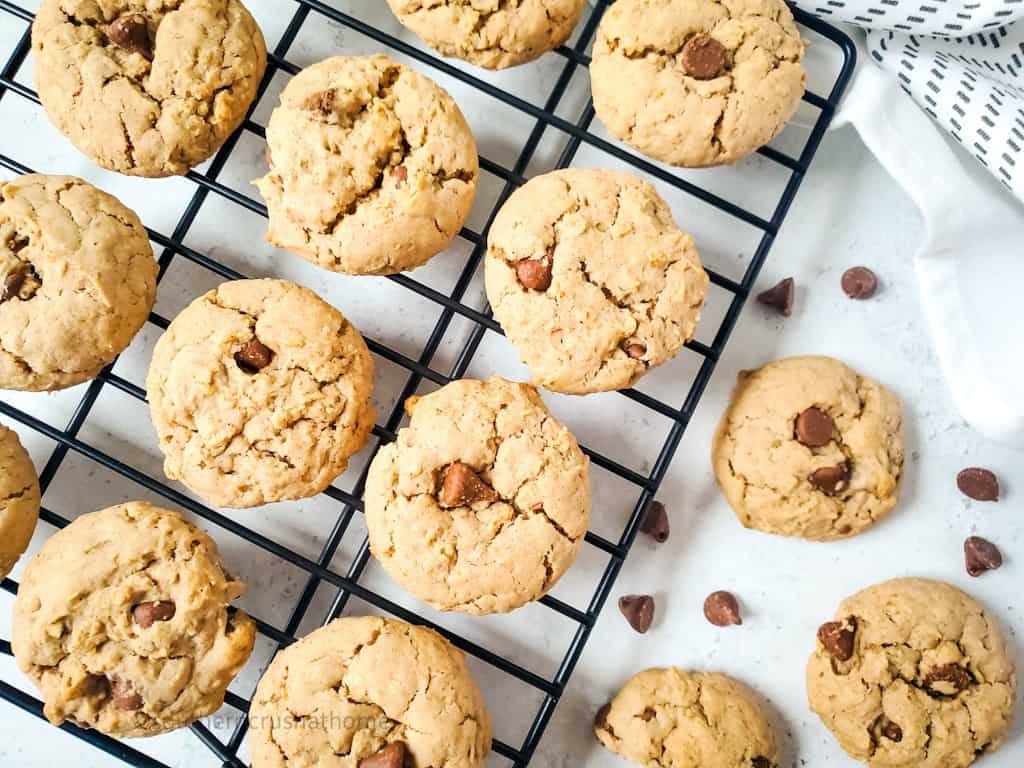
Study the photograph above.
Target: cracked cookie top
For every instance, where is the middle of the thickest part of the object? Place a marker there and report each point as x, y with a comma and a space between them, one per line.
259, 392
697, 82
491, 33
123, 622
808, 447
591, 280
19, 499
77, 281
365, 687
482, 502
147, 88
913, 673
373, 168
685, 719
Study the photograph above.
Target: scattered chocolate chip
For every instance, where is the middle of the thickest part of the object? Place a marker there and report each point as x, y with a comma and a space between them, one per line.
13, 282
830, 479
813, 428
779, 296
655, 522
391, 756
123, 694
635, 350
462, 486
722, 609
648, 714
534, 274
978, 483
638, 610
859, 283
601, 719
704, 57
253, 356
760, 762
981, 555
948, 679
837, 637
322, 101
147, 614
398, 175
131, 32
891, 731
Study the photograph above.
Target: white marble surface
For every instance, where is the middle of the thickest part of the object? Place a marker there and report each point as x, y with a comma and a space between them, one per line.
848, 212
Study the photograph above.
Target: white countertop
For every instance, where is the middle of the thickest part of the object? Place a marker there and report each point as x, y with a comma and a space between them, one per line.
848, 212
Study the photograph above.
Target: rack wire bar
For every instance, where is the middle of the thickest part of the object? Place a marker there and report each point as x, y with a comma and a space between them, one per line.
421, 369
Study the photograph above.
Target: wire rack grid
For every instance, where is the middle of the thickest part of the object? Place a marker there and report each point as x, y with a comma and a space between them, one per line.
66, 436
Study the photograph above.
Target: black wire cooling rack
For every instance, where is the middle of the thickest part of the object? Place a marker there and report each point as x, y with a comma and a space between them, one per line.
349, 503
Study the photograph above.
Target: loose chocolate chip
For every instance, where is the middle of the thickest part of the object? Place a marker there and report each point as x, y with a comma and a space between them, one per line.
638, 610
813, 427
760, 762
648, 714
978, 483
830, 479
837, 637
147, 614
323, 101
635, 350
601, 719
722, 609
981, 555
123, 694
131, 32
948, 679
655, 523
779, 296
13, 282
534, 274
391, 756
704, 57
859, 283
462, 486
891, 731
253, 356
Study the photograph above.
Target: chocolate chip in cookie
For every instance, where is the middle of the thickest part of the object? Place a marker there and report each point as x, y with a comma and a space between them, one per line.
601, 719
779, 296
859, 283
837, 638
947, 679
831, 480
635, 350
655, 523
704, 58
131, 32
722, 609
391, 756
813, 427
760, 762
534, 274
322, 101
885, 727
148, 613
397, 176
123, 694
253, 356
978, 483
17, 243
462, 486
638, 610
981, 555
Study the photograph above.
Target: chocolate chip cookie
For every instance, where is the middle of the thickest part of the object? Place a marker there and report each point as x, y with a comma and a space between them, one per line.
913, 673
591, 280
370, 692
19, 500
259, 392
77, 281
123, 622
687, 720
697, 82
373, 168
491, 33
808, 447
482, 502
147, 89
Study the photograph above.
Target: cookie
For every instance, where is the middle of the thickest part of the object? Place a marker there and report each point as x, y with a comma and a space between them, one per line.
147, 89
259, 392
808, 447
482, 502
687, 720
77, 281
373, 168
19, 500
362, 687
913, 673
122, 621
591, 280
697, 82
491, 34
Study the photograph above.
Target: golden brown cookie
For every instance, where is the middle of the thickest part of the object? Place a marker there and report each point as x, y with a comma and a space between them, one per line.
19, 500
123, 622
913, 673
